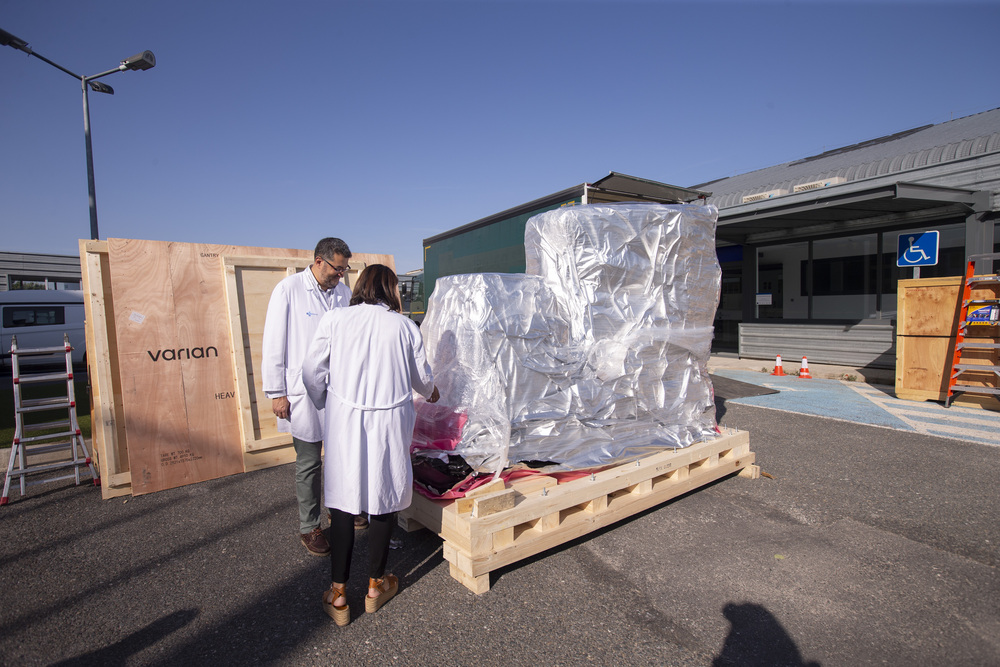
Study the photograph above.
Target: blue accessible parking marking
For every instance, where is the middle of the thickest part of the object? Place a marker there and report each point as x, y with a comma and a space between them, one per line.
866, 404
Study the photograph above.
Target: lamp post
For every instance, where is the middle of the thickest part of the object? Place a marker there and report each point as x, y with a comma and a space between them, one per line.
140, 61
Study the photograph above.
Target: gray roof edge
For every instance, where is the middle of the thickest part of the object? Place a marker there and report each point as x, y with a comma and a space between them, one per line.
845, 190
857, 175
911, 156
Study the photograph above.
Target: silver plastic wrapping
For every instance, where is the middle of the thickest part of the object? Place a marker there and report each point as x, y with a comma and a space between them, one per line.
598, 354
500, 349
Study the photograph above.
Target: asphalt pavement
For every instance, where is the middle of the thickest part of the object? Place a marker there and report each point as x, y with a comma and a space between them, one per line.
863, 544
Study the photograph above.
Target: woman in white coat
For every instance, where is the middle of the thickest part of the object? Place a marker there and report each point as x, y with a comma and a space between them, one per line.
362, 365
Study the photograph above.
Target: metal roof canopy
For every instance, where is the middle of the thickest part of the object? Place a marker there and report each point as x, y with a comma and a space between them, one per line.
616, 186
859, 209
623, 184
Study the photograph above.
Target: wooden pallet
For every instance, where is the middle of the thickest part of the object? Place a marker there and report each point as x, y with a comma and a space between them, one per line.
501, 524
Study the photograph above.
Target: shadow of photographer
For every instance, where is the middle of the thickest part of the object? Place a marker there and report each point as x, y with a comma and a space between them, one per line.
757, 639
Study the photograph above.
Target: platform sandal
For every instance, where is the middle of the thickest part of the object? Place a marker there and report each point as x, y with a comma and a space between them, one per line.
387, 587
341, 615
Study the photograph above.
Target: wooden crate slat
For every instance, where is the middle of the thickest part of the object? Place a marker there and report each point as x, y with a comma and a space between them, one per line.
108, 442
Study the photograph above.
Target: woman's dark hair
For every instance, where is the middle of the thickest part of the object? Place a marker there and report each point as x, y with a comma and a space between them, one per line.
377, 284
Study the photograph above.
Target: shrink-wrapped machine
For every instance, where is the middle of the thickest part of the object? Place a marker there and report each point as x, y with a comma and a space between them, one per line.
595, 356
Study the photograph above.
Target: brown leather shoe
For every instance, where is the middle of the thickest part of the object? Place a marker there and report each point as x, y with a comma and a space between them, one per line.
360, 521
315, 543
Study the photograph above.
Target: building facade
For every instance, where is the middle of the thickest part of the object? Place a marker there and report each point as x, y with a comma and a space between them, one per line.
809, 248
24, 270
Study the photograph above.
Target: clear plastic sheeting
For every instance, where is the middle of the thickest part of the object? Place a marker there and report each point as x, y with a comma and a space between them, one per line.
597, 355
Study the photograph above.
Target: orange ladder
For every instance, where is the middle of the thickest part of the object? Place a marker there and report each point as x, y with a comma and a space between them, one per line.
984, 315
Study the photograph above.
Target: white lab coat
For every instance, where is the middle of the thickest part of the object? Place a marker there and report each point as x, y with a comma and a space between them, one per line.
362, 366
293, 314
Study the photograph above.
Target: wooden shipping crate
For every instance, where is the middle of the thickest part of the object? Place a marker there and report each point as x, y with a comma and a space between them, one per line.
499, 524
173, 345
926, 329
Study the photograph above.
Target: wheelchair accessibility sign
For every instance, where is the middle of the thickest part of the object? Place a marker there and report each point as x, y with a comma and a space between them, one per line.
918, 249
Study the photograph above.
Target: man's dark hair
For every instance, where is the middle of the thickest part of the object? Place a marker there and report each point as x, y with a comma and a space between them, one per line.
329, 247
377, 284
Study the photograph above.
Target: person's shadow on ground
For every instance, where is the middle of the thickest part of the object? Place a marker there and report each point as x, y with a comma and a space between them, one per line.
757, 639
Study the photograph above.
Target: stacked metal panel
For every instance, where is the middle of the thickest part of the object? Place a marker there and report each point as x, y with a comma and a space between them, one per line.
598, 354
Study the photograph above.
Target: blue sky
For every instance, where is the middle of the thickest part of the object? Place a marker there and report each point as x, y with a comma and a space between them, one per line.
277, 123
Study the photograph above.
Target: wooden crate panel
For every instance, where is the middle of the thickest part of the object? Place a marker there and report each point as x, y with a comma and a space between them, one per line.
928, 306
923, 364
500, 527
183, 345
175, 363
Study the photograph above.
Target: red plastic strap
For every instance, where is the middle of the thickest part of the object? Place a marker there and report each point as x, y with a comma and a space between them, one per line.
72, 404
70, 376
473, 481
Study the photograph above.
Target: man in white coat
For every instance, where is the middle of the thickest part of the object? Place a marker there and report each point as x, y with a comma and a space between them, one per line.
293, 314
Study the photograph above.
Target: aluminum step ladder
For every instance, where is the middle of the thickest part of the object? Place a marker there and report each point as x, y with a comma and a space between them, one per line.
66, 432
981, 315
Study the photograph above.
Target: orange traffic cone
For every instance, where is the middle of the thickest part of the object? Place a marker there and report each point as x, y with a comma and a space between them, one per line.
777, 366
804, 371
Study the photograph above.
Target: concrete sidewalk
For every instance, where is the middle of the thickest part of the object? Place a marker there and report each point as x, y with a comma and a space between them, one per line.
879, 376
832, 396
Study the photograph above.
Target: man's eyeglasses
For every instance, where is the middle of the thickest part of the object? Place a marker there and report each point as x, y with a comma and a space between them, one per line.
338, 269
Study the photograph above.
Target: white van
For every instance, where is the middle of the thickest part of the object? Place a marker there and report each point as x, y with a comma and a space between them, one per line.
39, 318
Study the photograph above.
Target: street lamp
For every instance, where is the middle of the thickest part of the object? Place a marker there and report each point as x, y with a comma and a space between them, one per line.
140, 61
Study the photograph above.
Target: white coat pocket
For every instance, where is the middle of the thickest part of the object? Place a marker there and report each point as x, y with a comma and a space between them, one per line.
293, 382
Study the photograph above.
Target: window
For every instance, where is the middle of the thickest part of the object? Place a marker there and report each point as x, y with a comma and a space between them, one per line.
844, 281
778, 281
41, 283
848, 277
33, 316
